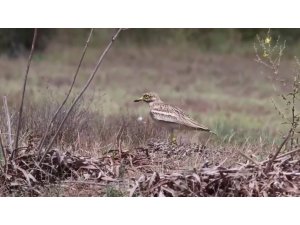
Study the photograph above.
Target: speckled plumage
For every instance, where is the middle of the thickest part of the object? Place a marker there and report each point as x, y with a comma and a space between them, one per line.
170, 116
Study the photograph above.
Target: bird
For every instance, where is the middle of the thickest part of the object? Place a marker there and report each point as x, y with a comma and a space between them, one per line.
171, 117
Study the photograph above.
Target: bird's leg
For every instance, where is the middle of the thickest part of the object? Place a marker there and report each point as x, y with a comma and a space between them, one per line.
172, 137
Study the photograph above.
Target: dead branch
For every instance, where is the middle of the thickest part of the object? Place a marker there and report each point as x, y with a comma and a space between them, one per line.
288, 153
248, 158
84, 182
282, 155
24, 87
68, 94
10, 142
278, 150
82, 91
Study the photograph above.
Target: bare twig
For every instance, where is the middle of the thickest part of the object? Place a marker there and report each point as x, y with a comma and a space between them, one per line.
82, 91
83, 182
3, 152
10, 142
278, 150
247, 157
288, 153
24, 87
282, 155
68, 94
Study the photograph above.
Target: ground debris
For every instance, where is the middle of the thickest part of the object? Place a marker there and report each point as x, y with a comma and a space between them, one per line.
26, 175
136, 169
249, 180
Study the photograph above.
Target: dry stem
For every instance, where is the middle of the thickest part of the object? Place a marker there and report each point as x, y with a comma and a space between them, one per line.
248, 158
3, 152
10, 142
81, 93
282, 155
24, 87
68, 94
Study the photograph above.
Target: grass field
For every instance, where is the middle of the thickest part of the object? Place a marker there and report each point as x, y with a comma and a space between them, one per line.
230, 93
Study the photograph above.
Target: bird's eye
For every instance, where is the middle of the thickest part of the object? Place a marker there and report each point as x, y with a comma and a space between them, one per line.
146, 96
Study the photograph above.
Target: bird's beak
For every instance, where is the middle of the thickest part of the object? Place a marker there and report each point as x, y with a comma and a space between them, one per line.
139, 99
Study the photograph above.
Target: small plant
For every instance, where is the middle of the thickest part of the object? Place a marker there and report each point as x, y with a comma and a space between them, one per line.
269, 54
113, 192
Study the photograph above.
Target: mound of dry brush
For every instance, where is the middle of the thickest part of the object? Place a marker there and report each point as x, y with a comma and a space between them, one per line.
24, 175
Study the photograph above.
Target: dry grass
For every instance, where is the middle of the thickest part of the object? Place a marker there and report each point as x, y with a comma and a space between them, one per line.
156, 169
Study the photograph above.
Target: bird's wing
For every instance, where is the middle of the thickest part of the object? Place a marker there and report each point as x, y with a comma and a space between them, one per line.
163, 113
188, 121
168, 113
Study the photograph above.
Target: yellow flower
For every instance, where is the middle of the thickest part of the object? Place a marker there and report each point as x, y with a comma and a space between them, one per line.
268, 40
265, 54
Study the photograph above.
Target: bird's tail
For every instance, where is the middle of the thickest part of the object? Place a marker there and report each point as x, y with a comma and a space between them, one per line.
207, 130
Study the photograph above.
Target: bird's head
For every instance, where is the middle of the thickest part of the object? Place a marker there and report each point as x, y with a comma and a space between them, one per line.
149, 97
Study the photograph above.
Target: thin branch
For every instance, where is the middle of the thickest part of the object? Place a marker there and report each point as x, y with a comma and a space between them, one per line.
24, 87
288, 153
67, 96
282, 155
82, 91
247, 157
10, 142
83, 182
3, 152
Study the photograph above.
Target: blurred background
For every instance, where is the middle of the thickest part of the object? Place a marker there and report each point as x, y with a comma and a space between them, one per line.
211, 73
15, 41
